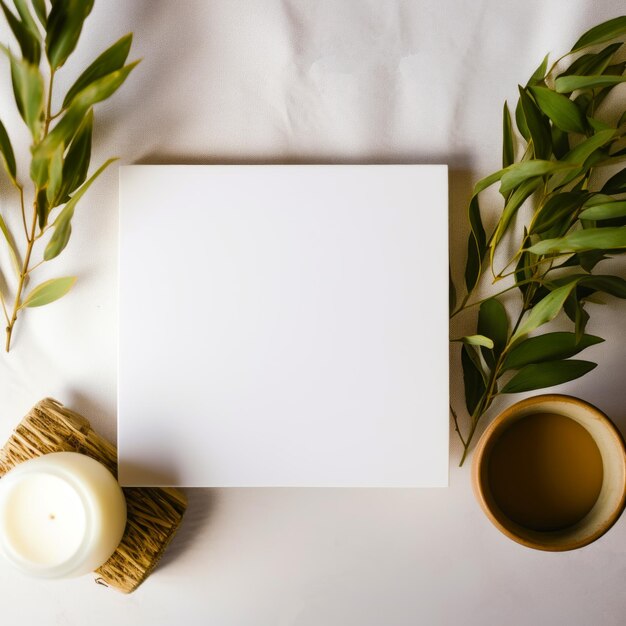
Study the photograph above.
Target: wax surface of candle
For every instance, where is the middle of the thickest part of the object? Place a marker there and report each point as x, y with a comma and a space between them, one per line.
61, 514
45, 516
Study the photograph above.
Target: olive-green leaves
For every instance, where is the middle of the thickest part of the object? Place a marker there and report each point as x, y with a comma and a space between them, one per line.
473, 378
557, 221
27, 19
29, 93
48, 291
593, 63
39, 7
604, 211
56, 178
103, 87
521, 172
560, 109
78, 156
61, 139
508, 143
11, 246
493, 323
475, 340
580, 240
476, 245
616, 184
601, 33
544, 311
64, 25
549, 374
62, 224
6, 150
557, 210
61, 135
537, 125
27, 39
549, 347
567, 84
109, 61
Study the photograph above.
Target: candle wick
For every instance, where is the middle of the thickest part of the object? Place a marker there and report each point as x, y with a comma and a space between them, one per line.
52, 516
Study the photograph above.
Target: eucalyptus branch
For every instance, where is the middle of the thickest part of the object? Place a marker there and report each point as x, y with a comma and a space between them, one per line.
61, 142
572, 217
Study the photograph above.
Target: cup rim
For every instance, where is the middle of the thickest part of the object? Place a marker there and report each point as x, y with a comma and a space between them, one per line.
501, 422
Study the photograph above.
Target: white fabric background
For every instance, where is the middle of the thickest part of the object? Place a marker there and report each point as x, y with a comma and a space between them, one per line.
235, 81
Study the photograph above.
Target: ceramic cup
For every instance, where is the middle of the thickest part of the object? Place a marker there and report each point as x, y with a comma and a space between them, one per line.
612, 492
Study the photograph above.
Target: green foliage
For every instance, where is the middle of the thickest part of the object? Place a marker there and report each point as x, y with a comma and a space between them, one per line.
61, 141
548, 166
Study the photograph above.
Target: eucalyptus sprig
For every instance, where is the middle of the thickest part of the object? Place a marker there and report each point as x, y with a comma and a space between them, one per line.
554, 163
61, 140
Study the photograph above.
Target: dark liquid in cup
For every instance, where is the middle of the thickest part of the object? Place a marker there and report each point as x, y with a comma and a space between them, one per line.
545, 472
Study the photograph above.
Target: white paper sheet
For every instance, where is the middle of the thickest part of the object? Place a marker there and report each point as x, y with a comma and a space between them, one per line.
283, 326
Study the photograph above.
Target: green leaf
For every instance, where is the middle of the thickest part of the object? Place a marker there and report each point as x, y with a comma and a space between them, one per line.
61, 135
586, 148
485, 183
40, 11
605, 211
451, 293
613, 285
588, 260
41, 204
493, 323
64, 26
523, 269
508, 146
109, 61
78, 157
594, 63
540, 73
29, 93
476, 245
575, 310
62, 224
581, 240
544, 311
7, 153
104, 87
549, 374
473, 378
567, 84
56, 176
560, 142
11, 245
602, 32
560, 109
616, 184
520, 120
548, 347
537, 125
583, 154
598, 125
48, 291
521, 172
27, 18
517, 198
559, 208
29, 43
475, 340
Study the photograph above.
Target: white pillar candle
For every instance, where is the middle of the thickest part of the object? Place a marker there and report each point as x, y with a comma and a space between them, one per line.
61, 514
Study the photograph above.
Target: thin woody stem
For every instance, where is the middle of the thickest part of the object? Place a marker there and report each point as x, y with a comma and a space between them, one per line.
30, 234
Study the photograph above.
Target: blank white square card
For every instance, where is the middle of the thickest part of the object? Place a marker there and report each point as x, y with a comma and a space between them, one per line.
283, 326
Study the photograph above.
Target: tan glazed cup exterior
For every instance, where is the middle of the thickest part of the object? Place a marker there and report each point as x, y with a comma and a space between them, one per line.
611, 500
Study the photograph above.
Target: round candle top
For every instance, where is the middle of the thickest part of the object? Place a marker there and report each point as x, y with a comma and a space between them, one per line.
61, 514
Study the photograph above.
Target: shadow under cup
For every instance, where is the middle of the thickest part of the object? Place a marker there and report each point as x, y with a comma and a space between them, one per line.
550, 473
